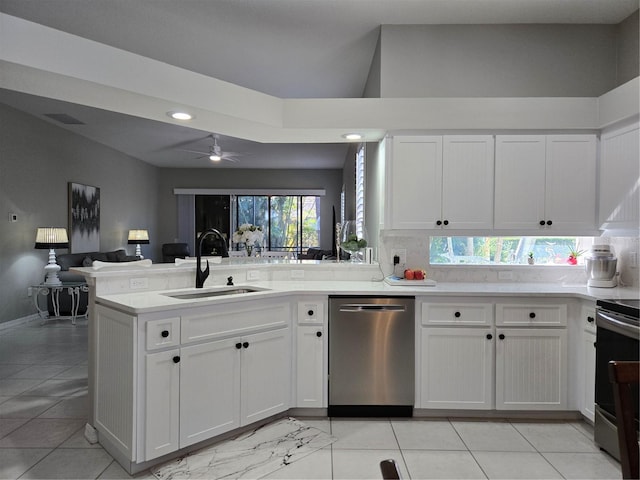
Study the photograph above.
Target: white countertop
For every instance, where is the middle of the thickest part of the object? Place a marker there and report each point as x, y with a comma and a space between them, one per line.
154, 301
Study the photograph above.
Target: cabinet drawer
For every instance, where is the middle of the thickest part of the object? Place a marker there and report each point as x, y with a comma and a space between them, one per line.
230, 321
311, 312
531, 315
457, 313
163, 333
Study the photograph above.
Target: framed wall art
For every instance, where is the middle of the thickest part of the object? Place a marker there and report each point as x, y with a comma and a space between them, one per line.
84, 218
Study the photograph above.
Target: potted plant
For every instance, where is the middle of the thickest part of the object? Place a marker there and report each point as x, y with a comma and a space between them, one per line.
530, 259
573, 256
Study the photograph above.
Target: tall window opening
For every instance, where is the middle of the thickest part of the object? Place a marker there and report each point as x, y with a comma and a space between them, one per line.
360, 185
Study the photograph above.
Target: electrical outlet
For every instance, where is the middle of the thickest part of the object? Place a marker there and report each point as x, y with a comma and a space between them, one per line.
138, 283
401, 253
29, 292
253, 274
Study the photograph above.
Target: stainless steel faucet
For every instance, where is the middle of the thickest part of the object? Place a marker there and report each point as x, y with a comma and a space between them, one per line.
201, 275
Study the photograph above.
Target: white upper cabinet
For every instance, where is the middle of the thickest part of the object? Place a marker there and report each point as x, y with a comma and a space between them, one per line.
545, 183
437, 182
620, 179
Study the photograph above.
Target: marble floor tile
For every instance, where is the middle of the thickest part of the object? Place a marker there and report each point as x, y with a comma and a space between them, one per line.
316, 465
42, 372
427, 435
41, 433
26, 406
8, 425
15, 461
79, 371
515, 465
65, 387
585, 465
9, 369
115, 472
364, 464
427, 464
17, 386
78, 440
555, 437
72, 407
491, 436
70, 464
363, 434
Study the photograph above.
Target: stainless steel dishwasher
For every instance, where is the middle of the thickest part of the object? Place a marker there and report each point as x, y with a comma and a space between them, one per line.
371, 356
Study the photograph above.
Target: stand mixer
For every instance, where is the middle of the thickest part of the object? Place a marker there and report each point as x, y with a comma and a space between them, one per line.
600, 266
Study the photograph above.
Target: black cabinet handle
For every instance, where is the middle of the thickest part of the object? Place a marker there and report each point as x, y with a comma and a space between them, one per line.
318, 334
229, 280
439, 222
542, 222
591, 319
238, 345
549, 222
489, 336
176, 359
457, 314
532, 315
501, 336
245, 344
310, 313
165, 333
446, 222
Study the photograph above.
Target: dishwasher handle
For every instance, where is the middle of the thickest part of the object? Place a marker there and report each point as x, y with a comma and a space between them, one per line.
371, 307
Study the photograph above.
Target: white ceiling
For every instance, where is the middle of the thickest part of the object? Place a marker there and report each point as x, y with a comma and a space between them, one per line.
284, 48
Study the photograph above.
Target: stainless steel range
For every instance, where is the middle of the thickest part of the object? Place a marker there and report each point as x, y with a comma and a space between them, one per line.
617, 338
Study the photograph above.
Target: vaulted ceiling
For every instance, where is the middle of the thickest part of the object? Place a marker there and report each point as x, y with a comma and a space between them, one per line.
282, 48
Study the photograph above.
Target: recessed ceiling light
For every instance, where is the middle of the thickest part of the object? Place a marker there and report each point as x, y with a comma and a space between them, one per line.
352, 136
180, 115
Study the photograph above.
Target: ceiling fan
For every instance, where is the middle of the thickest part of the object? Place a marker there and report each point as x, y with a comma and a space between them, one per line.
215, 153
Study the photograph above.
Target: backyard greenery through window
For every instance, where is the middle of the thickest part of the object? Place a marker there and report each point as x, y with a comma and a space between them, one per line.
290, 222
507, 250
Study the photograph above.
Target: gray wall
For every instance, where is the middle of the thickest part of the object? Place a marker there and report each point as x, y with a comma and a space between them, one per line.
226, 178
627, 49
498, 60
37, 160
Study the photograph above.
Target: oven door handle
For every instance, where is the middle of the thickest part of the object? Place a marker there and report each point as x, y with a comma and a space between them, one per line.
610, 322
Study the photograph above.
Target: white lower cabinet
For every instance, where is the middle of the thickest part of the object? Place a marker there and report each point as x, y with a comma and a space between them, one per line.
588, 363
310, 379
200, 391
531, 365
457, 368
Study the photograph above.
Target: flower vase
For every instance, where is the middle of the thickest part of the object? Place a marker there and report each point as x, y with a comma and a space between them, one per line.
249, 249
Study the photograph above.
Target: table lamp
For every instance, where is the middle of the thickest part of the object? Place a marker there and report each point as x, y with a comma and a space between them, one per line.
138, 237
51, 238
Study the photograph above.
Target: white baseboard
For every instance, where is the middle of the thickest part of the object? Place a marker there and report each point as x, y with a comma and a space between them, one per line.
18, 322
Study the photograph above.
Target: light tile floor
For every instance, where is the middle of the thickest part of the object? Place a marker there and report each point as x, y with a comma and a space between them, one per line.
43, 409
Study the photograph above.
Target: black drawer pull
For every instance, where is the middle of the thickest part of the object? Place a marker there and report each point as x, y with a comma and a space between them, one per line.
532, 315
549, 222
318, 334
542, 222
245, 344
439, 222
501, 336
176, 359
310, 313
238, 345
591, 319
489, 336
457, 314
165, 333
446, 222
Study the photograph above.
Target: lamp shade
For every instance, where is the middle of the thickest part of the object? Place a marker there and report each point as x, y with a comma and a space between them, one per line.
52, 237
138, 237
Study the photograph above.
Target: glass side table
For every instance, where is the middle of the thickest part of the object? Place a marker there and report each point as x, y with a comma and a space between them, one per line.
73, 289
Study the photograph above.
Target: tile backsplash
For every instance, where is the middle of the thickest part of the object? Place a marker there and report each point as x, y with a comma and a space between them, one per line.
417, 248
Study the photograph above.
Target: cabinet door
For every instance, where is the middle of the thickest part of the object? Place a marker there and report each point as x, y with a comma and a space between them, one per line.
520, 182
265, 375
457, 368
589, 373
531, 369
414, 188
162, 385
209, 390
619, 179
310, 381
467, 182
570, 200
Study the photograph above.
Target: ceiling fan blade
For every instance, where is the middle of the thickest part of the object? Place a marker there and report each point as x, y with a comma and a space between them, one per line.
193, 151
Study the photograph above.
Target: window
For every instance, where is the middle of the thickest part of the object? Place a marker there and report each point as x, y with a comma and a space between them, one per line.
506, 250
360, 181
289, 222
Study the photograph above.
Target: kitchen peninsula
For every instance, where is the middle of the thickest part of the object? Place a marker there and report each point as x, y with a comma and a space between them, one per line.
168, 375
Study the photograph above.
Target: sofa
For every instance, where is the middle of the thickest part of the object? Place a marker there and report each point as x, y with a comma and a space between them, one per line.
70, 260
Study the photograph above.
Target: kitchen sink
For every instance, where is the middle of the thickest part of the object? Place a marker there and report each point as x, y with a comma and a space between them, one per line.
214, 293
